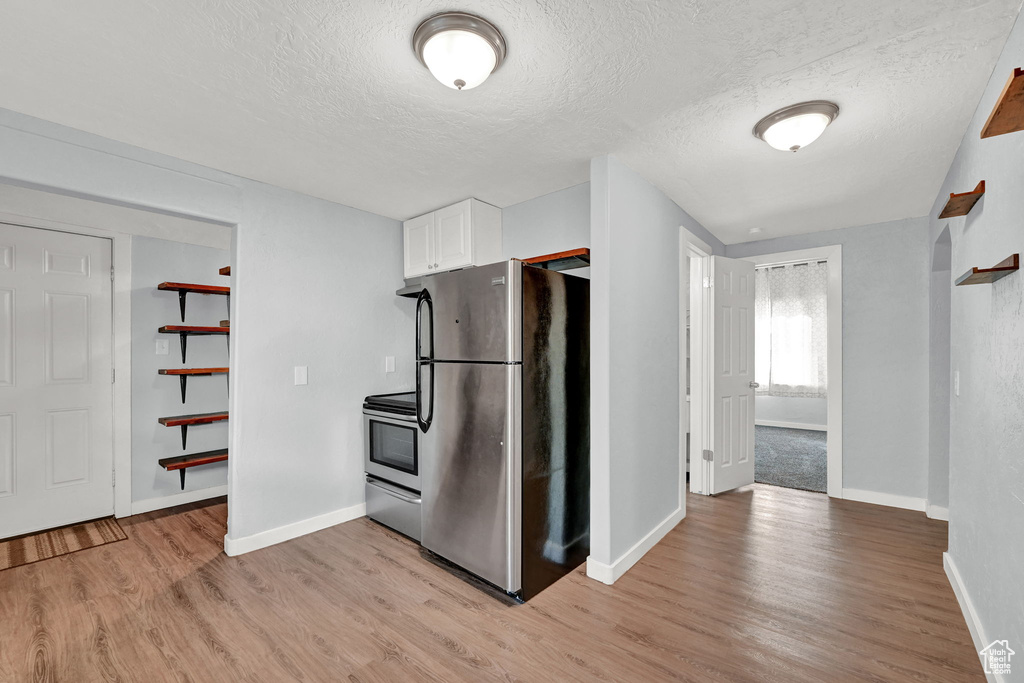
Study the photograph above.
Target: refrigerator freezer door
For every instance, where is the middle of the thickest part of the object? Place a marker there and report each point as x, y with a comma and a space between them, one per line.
476, 313
471, 496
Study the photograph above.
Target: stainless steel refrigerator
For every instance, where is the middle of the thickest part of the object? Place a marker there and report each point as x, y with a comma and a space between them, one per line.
503, 407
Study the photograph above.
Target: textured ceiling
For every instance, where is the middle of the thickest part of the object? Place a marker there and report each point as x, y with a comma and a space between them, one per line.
327, 98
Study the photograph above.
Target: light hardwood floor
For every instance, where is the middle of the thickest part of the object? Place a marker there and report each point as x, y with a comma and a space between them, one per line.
762, 584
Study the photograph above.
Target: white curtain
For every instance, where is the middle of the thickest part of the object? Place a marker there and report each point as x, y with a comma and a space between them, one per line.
791, 330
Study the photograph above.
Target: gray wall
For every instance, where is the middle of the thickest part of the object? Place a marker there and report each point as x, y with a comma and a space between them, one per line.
634, 357
154, 396
940, 297
315, 285
554, 222
809, 411
886, 273
986, 451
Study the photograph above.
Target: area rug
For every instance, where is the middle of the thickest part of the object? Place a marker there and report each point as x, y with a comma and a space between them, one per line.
794, 458
43, 545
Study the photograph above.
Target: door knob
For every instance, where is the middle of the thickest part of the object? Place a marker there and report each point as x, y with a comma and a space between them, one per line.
754, 385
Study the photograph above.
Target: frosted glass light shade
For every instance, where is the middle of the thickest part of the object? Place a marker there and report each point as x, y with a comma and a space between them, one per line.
795, 127
459, 59
460, 49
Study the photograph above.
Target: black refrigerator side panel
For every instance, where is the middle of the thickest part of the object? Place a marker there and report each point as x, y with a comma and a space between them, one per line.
556, 426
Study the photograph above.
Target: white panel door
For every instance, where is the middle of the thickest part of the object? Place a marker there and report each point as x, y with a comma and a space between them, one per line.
732, 376
419, 245
454, 237
56, 440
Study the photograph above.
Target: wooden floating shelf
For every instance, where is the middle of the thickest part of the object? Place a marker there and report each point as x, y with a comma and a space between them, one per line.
1008, 114
186, 421
182, 462
985, 276
184, 373
183, 288
185, 331
194, 372
961, 204
226, 270
563, 260
225, 323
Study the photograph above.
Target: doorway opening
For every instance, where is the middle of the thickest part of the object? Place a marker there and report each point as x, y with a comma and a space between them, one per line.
724, 368
791, 374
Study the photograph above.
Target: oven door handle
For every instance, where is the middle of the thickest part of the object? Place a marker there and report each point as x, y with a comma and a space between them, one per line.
424, 361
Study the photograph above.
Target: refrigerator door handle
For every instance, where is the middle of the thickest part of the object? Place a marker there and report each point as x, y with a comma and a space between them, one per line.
424, 361
424, 298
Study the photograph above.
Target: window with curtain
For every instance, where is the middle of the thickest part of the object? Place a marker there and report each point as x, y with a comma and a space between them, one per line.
791, 330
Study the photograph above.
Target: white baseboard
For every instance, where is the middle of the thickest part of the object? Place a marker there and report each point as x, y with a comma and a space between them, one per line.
150, 504
937, 512
888, 499
791, 425
246, 544
610, 573
967, 607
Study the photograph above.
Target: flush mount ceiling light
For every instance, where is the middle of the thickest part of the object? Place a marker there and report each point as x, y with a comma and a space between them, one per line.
796, 126
460, 49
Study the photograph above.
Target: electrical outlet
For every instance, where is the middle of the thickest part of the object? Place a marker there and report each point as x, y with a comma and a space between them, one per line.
301, 375
163, 347
389, 364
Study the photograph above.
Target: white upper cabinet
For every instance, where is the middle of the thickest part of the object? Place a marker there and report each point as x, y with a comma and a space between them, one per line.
419, 244
457, 236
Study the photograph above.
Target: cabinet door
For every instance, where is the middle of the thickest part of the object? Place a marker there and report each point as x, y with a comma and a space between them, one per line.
453, 237
419, 245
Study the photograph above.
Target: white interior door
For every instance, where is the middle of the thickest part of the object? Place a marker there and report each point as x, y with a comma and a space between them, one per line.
731, 416
56, 447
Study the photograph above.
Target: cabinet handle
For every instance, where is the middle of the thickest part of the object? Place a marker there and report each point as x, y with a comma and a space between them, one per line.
430, 267
435, 265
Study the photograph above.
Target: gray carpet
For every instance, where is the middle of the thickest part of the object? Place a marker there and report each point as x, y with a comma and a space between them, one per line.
794, 458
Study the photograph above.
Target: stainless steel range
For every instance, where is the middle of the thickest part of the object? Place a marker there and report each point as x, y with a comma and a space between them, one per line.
392, 462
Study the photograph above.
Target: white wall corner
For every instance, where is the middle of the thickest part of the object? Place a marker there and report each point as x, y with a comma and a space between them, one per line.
610, 573
140, 506
937, 512
888, 499
246, 544
967, 607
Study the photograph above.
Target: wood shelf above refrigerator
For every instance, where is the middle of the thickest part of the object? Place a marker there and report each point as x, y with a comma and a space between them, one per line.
1008, 114
563, 260
986, 276
961, 204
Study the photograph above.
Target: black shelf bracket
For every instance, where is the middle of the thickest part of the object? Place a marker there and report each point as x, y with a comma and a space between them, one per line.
183, 339
182, 471
184, 435
183, 380
181, 304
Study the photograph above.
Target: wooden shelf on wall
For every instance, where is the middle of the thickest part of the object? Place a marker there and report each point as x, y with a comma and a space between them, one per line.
184, 373
563, 260
183, 462
1008, 114
961, 204
986, 276
186, 331
183, 288
186, 421
226, 270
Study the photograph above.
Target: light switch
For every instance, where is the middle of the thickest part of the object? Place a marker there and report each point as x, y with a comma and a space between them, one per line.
389, 364
956, 383
301, 375
163, 347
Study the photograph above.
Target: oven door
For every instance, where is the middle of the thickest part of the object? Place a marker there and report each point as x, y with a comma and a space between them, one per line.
391, 447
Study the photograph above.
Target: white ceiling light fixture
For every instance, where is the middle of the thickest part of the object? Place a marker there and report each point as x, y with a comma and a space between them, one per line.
460, 49
796, 126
